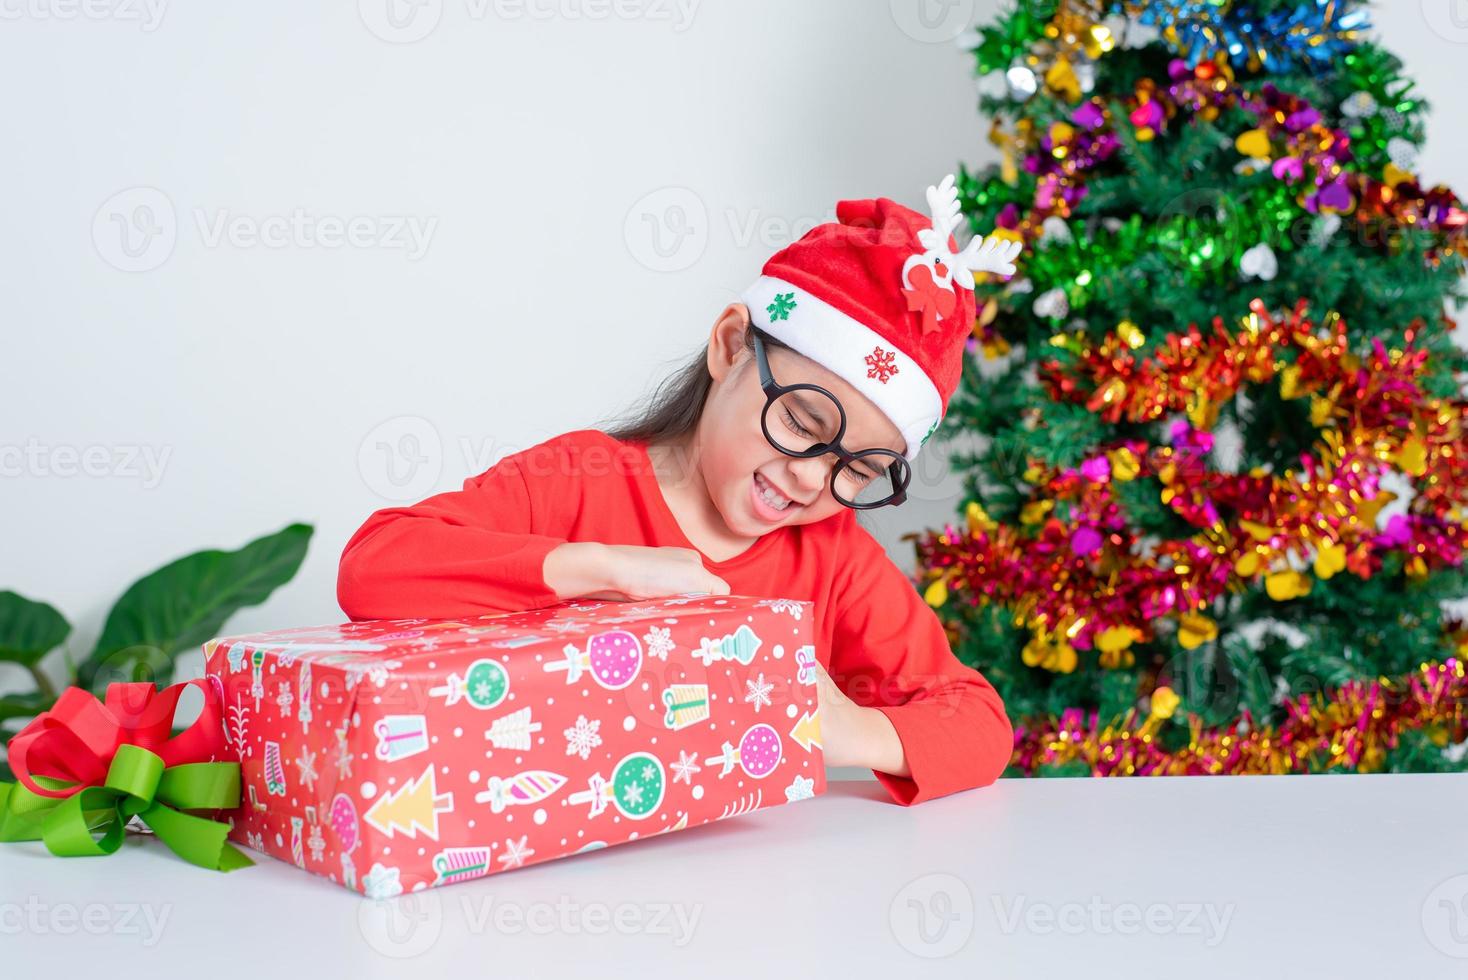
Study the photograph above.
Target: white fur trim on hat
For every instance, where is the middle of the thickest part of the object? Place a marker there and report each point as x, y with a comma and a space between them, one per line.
892, 380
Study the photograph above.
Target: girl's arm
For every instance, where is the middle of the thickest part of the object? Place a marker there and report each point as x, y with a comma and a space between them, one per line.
891, 654
461, 553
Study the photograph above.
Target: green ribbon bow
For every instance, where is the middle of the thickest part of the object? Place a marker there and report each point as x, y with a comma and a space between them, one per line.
90, 822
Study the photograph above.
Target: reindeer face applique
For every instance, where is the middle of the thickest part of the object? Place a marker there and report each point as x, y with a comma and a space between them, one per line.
928, 276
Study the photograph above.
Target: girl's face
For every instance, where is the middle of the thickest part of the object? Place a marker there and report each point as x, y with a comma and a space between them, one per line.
735, 458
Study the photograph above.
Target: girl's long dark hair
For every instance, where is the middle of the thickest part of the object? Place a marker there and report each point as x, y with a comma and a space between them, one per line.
675, 407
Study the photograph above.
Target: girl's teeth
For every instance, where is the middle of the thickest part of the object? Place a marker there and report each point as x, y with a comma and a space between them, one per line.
769, 496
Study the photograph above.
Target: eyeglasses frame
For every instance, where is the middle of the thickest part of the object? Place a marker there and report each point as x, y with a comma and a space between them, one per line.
773, 390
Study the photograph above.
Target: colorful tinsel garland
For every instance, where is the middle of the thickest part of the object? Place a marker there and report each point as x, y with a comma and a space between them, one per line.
1080, 577
1351, 728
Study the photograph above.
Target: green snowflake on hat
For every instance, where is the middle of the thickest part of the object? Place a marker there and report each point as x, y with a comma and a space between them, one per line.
781, 307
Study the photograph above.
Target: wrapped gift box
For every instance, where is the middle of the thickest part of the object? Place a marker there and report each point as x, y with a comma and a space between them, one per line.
394, 755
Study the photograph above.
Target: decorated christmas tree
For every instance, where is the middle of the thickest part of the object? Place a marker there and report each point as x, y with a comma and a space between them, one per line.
1218, 502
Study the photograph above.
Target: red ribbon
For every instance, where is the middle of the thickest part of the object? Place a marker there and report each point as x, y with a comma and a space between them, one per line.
75, 740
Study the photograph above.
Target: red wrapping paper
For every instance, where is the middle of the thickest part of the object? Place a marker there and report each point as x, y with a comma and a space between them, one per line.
395, 755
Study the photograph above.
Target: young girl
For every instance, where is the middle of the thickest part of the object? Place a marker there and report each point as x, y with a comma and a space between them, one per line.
810, 402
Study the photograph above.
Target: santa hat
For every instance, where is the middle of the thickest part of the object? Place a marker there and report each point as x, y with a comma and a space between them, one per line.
884, 298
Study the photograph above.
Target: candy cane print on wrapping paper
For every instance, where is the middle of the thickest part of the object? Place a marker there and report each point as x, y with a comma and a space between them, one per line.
758, 753
303, 682
521, 789
484, 685
612, 658
636, 789
274, 770
298, 849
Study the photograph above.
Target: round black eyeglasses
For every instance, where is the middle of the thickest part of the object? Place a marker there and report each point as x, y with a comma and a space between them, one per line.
809, 421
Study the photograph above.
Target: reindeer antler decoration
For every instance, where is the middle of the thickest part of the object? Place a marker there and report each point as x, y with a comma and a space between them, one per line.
980, 255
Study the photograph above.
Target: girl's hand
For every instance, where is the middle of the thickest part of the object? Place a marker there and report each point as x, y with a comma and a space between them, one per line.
853, 735
840, 727
627, 572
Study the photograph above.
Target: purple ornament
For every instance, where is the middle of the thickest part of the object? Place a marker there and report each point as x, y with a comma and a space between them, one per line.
1085, 541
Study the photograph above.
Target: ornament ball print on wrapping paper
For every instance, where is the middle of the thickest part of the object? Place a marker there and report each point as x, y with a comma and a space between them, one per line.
396, 755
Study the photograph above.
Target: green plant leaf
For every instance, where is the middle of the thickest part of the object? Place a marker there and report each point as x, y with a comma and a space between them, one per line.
29, 629
185, 603
26, 705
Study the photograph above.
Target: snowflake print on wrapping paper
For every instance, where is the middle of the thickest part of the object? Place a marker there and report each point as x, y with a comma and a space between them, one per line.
781, 307
306, 762
881, 364
564, 626
795, 609
255, 841
803, 788
759, 692
633, 795
659, 640
515, 852
582, 737
685, 767
376, 671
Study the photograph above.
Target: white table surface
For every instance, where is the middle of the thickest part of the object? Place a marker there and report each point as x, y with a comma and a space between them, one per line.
1300, 876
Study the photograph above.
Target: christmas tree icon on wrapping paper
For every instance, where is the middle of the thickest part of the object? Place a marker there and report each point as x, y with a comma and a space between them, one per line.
411, 809
1220, 397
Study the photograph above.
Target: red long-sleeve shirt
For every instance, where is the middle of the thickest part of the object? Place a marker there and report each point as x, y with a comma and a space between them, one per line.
482, 549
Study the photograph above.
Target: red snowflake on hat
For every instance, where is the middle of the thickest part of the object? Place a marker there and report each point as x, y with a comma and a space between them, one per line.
881, 364
928, 276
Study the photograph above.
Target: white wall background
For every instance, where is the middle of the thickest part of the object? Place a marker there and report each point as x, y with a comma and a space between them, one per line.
530, 145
